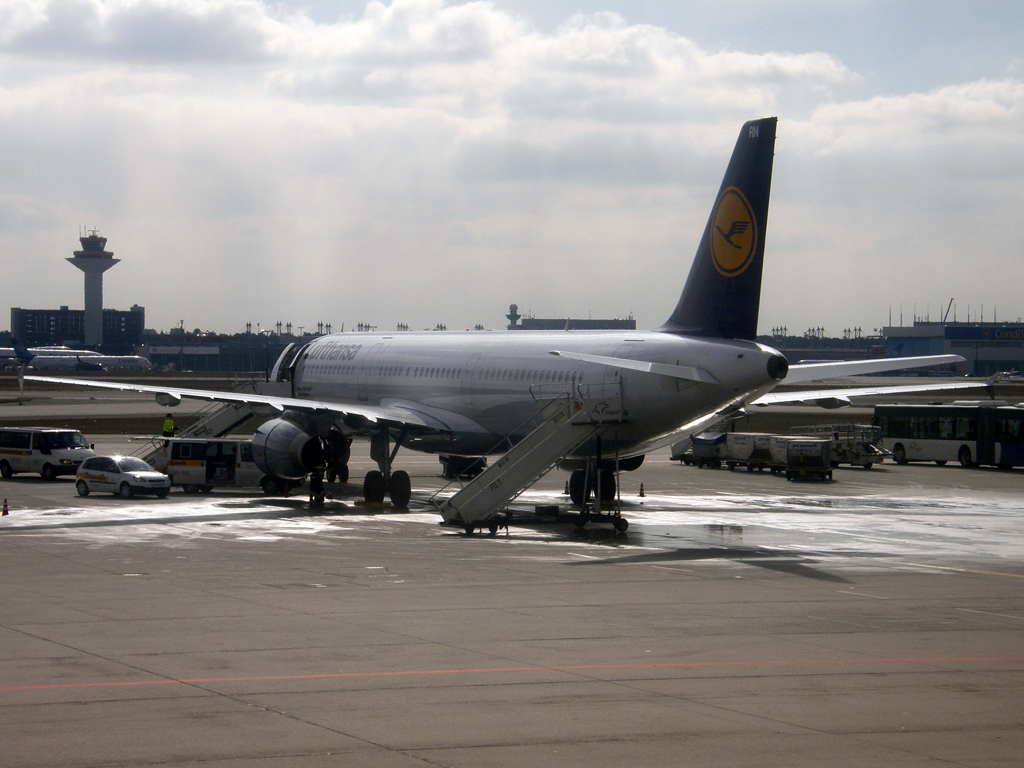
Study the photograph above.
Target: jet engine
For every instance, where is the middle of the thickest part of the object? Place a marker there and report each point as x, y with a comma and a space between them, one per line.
285, 450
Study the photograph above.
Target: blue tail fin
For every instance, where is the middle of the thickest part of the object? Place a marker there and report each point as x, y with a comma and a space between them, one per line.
21, 352
723, 291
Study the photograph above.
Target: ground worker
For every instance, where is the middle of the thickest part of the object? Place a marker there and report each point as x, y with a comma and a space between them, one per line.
169, 426
316, 485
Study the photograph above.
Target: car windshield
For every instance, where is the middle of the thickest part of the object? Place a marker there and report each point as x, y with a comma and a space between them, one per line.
64, 440
132, 464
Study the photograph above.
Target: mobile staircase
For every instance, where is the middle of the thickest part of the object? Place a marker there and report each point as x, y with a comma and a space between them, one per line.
563, 425
215, 419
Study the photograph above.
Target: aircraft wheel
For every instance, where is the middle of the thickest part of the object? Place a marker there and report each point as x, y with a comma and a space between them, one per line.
468, 528
271, 487
401, 488
621, 524
82, 487
374, 487
577, 483
492, 526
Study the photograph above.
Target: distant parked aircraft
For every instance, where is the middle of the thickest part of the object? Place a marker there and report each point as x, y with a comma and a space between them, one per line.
66, 359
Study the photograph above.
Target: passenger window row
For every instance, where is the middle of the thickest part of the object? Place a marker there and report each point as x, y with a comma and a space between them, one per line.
426, 372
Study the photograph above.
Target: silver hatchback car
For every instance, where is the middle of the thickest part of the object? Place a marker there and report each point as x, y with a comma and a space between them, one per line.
120, 475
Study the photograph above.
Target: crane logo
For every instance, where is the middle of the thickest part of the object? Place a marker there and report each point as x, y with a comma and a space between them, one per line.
733, 233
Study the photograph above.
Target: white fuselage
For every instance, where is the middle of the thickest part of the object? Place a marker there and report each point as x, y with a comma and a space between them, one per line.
486, 386
66, 362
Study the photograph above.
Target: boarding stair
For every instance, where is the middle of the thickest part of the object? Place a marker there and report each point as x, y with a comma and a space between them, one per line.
215, 419
563, 425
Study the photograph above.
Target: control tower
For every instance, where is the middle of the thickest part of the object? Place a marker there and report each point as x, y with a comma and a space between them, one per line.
94, 261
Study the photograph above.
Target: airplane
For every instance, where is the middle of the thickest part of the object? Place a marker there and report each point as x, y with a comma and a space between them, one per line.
465, 395
54, 351
63, 358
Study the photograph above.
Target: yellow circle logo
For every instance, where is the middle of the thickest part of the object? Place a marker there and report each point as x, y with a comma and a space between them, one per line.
733, 233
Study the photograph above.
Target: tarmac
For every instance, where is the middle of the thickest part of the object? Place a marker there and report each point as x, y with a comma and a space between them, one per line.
742, 620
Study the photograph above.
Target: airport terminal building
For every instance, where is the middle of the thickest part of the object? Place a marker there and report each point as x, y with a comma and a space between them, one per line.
122, 330
988, 347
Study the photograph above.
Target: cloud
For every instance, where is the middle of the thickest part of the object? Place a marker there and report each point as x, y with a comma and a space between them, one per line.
185, 31
427, 162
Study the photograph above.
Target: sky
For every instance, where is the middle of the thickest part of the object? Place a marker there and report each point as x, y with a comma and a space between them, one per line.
426, 162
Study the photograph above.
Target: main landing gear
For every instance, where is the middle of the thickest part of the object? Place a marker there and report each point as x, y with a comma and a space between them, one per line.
377, 483
593, 490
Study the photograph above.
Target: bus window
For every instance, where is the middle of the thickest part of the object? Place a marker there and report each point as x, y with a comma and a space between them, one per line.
945, 426
1008, 430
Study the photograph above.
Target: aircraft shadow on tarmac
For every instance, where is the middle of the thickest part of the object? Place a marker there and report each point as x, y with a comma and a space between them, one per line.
772, 560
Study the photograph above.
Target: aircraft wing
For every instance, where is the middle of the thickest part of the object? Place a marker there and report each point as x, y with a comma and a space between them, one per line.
171, 396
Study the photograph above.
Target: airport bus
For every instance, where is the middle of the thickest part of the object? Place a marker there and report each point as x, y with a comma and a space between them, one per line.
972, 433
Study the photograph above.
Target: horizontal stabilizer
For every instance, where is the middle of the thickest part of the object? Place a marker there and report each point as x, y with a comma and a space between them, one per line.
687, 372
816, 371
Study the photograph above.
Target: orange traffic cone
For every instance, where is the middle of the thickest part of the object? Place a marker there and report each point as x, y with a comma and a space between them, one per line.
5, 507
642, 490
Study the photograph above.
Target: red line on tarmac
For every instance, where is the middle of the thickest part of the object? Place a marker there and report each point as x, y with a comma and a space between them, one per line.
515, 670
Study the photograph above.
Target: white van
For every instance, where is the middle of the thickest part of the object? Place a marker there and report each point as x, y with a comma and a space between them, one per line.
50, 452
202, 464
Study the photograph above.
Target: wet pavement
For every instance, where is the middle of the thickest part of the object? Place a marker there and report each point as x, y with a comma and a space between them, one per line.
741, 620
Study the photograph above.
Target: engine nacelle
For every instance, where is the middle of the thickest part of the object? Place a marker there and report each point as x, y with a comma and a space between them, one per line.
285, 450
607, 465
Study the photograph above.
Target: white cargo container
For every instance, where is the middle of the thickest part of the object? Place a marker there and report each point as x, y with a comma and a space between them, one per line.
748, 449
808, 457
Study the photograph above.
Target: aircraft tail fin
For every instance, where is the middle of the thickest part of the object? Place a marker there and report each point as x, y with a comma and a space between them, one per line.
21, 352
723, 290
